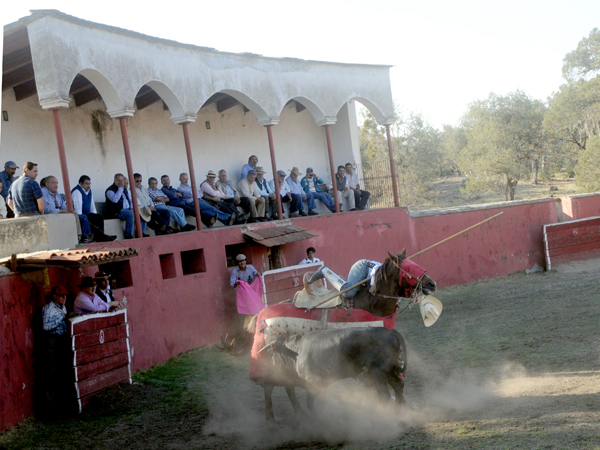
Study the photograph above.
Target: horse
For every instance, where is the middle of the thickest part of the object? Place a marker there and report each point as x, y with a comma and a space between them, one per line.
397, 277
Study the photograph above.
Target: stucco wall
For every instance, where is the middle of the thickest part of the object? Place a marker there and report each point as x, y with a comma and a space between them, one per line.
94, 146
580, 206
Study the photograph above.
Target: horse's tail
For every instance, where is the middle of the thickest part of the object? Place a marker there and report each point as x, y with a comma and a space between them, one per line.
241, 342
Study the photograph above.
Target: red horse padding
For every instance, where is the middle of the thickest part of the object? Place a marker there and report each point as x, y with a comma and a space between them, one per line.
286, 319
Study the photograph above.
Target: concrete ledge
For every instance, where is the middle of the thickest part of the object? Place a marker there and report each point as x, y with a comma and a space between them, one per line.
483, 206
37, 233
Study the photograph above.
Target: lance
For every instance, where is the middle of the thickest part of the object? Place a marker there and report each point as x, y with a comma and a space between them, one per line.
410, 257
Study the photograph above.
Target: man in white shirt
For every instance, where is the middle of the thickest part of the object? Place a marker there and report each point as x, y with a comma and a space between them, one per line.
247, 187
360, 197
310, 257
84, 206
284, 192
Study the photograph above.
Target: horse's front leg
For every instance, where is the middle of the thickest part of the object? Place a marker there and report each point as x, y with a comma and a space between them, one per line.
268, 388
291, 392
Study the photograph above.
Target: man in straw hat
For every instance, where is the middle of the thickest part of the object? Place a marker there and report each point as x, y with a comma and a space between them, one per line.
103, 287
297, 191
212, 194
87, 301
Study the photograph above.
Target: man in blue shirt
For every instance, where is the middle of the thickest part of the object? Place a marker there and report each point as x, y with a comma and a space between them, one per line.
7, 176
310, 184
225, 217
252, 162
25, 195
243, 272
208, 216
297, 191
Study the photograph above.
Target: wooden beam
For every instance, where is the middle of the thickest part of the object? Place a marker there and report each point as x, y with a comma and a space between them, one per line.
79, 84
25, 90
214, 99
226, 103
147, 99
17, 77
86, 96
16, 60
16, 41
300, 107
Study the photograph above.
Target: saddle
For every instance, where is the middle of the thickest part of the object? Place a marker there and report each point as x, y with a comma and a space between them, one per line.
314, 293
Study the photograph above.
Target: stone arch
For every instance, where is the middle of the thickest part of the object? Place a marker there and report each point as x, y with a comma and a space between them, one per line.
107, 91
168, 96
311, 106
261, 115
373, 108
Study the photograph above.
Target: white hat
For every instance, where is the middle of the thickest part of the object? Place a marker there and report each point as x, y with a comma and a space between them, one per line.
240, 257
431, 309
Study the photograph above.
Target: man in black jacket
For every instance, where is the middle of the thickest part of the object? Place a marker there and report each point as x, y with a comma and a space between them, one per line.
103, 287
119, 204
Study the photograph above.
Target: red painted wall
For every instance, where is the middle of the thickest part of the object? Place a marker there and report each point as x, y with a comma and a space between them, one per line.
581, 206
171, 316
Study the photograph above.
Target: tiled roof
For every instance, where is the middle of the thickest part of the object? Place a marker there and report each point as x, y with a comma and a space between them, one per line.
73, 258
279, 235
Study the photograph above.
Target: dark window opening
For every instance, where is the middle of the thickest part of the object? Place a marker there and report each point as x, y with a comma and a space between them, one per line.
120, 273
231, 251
192, 261
167, 266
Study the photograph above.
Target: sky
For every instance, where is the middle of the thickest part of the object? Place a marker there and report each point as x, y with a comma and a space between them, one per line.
445, 54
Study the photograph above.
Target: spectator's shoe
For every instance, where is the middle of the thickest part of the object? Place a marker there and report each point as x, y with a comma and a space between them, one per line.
252, 220
85, 240
353, 209
231, 220
294, 214
145, 235
189, 227
242, 218
170, 230
107, 238
128, 237
313, 213
303, 214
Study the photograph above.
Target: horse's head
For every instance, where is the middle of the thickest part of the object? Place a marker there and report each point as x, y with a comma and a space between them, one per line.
411, 276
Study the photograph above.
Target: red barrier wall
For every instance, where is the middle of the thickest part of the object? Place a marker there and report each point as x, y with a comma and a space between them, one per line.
173, 315
581, 206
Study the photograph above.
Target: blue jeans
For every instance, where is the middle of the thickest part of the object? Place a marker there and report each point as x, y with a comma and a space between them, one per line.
85, 225
326, 199
358, 272
210, 211
176, 213
127, 216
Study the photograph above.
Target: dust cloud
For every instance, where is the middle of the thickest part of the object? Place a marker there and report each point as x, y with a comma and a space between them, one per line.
351, 413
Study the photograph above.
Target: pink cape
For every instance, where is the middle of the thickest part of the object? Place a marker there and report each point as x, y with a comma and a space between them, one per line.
249, 297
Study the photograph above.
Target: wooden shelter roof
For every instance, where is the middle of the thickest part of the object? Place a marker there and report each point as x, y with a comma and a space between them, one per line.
279, 235
70, 258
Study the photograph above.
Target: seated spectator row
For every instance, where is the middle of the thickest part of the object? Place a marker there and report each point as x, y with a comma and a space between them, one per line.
254, 200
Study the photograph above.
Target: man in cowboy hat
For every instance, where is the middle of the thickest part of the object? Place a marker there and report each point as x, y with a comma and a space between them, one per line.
247, 187
212, 194
267, 192
54, 314
297, 191
243, 272
225, 217
103, 287
87, 301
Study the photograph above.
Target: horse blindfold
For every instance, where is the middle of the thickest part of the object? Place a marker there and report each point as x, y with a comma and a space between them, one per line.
411, 272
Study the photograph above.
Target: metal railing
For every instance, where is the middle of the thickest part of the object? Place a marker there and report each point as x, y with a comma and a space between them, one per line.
377, 179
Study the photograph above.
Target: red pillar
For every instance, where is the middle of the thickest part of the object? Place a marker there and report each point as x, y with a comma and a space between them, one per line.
188, 150
392, 167
136, 208
63, 159
333, 169
275, 176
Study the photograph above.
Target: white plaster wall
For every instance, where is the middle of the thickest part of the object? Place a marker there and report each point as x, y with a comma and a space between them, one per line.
157, 145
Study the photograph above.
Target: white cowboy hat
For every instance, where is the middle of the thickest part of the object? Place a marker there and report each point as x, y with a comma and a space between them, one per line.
431, 309
145, 213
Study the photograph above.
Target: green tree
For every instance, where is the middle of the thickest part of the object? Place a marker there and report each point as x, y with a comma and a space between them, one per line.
505, 142
588, 169
453, 141
583, 62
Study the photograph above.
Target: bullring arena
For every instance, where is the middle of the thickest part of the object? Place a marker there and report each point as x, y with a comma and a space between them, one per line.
513, 362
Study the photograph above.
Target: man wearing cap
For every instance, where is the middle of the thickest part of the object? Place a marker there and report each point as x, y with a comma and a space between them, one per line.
284, 191
310, 184
360, 197
25, 196
247, 187
267, 192
243, 272
297, 191
87, 301
103, 287
252, 162
7, 176
212, 194
54, 313
225, 217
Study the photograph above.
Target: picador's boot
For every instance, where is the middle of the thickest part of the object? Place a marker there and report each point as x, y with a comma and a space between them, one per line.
317, 275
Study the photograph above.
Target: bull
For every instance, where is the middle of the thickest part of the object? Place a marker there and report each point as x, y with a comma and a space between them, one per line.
376, 356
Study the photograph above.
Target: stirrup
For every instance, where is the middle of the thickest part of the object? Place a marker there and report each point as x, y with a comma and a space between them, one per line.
317, 275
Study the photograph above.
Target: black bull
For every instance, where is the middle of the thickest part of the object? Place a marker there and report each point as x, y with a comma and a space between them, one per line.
313, 361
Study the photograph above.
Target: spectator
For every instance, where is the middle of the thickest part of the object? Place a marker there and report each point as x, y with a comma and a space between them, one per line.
25, 195
53, 201
159, 218
160, 202
230, 194
297, 192
85, 207
212, 194
175, 197
310, 184
7, 177
3, 211
247, 187
344, 194
119, 205
54, 314
252, 162
243, 272
206, 208
103, 287
284, 192
267, 192
360, 197
310, 256
87, 301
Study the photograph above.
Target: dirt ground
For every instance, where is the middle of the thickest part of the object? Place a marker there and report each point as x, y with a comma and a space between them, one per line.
448, 193
513, 362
